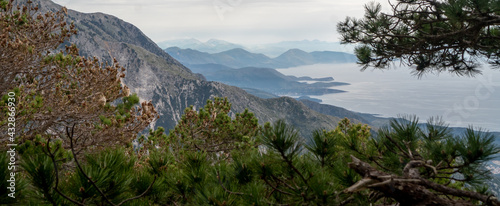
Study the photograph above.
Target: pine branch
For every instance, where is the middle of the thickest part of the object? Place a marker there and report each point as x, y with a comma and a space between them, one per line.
411, 190
141, 195
276, 189
283, 182
70, 136
398, 146
225, 189
290, 164
488, 200
413, 164
52, 157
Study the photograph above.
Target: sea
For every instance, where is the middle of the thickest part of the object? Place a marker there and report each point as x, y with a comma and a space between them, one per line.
461, 101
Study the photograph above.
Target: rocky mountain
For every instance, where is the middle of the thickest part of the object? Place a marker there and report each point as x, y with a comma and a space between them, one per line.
172, 87
239, 58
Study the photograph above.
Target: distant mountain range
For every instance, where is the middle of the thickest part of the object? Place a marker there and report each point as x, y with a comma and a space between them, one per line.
275, 49
238, 58
271, 50
252, 71
210, 46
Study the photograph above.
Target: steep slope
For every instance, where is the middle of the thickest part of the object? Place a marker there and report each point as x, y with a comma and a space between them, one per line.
331, 110
154, 75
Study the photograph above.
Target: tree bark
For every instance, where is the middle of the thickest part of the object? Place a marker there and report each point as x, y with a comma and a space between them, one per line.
412, 190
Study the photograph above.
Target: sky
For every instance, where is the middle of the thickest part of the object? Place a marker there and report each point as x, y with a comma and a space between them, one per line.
238, 21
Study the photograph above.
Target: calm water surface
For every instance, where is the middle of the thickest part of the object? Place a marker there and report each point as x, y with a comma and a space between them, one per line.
461, 101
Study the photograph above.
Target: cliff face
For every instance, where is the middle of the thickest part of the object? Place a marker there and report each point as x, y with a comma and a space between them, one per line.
156, 76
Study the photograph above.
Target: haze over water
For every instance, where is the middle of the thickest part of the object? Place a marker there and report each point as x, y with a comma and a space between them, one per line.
461, 101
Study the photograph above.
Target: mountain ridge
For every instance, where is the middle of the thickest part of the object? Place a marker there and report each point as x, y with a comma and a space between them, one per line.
239, 58
210, 46
269, 49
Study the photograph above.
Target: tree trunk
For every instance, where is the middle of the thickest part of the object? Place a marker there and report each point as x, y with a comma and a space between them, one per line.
411, 190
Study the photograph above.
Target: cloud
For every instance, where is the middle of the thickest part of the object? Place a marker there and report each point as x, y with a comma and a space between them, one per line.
243, 21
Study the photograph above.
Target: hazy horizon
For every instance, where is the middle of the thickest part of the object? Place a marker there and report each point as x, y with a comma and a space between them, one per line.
205, 40
271, 49
244, 22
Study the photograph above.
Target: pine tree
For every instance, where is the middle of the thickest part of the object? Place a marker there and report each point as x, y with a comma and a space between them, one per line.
56, 90
426, 166
59, 107
212, 130
405, 163
431, 36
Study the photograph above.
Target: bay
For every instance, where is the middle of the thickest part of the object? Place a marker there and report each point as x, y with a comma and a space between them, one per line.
460, 101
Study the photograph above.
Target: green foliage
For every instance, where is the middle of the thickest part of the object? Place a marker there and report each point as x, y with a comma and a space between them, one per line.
281, 138
444, 158
364, 54
3, 4
353, 137
299, 176
473, 149
281, 169
111, 170
5, 180
127, 104
9, 101
212, 130
432, 36
105, 120
40, 170
284, 169
63, 118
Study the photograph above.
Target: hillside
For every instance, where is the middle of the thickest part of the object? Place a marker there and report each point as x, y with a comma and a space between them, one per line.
155, 75
265, 79
331, 110
239, 58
